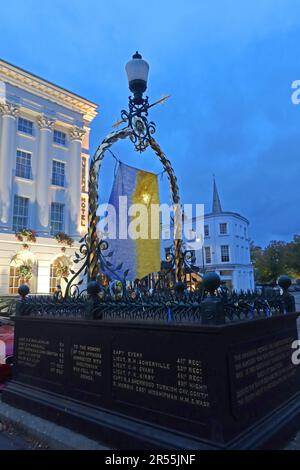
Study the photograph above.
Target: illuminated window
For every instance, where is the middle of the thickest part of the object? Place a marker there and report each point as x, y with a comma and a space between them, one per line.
54, 279
14, 280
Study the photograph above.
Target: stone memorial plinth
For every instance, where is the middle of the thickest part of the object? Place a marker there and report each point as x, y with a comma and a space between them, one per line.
147, 385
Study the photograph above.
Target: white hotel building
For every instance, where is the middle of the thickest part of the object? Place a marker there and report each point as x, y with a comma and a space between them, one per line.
44, 154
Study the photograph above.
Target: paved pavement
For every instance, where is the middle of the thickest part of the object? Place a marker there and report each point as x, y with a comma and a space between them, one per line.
26, 431
10, 441
7, 443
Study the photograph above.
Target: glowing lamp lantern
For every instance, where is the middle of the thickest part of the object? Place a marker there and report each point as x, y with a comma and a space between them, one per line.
137, 71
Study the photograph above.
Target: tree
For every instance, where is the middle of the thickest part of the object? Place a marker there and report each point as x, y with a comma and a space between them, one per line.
293, 256
277, 258
269, 263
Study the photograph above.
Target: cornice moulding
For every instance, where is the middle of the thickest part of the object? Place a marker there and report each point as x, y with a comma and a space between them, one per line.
47, 90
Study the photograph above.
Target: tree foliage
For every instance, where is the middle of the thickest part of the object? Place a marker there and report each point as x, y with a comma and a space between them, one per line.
277, 258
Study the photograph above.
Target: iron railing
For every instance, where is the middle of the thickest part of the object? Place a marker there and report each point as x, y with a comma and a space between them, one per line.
167, 306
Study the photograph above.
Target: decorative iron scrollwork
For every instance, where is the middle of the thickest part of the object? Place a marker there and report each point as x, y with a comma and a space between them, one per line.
137, 120
103, 256
81, 256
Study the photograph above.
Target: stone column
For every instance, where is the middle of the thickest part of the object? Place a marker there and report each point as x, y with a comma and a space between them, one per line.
44, 171
9, 113
76, 136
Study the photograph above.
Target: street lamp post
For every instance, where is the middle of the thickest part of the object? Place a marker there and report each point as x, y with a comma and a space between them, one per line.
137, 71
140, 131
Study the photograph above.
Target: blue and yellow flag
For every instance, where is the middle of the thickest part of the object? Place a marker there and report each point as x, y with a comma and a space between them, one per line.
134, 246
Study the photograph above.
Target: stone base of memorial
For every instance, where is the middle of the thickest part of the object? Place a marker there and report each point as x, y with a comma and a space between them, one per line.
154, 386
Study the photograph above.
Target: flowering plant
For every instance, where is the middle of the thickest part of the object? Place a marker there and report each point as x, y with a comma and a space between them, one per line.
62, 271
64, 239
26, 234
62, 267
25, 272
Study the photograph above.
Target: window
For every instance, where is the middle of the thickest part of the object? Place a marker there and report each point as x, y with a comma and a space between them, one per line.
25, 126
59, 137
245, 232
14, 280
206, 230
225, 273
58, 173
56, 218
23, 164
225, 253
54, 279
20, 214
207, 254
223, 229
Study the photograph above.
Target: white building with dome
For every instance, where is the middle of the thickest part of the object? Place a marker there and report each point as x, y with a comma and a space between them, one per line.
44, 155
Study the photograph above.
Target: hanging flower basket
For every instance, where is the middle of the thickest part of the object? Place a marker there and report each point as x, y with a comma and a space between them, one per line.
62, 267
25, 272
64, 239
27, 235
62, 271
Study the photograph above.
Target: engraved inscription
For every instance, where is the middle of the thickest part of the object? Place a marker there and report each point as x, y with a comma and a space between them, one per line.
182, 378
259, 370
86, 361
31, 351
49, 357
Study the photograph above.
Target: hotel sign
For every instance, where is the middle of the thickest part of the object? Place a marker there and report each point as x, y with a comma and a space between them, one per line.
84, 212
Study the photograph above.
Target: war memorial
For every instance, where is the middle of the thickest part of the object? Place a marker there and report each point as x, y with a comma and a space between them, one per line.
159, 368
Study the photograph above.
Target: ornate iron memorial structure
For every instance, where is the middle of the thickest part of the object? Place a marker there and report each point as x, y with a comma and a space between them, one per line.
140, 131
166, 368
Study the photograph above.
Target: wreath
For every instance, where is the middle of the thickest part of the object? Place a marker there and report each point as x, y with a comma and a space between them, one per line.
25, 272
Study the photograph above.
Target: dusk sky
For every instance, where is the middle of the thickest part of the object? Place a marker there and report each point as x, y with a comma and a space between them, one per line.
228, 66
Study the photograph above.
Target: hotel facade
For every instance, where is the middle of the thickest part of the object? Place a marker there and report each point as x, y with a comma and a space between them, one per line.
44, 159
